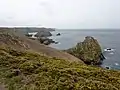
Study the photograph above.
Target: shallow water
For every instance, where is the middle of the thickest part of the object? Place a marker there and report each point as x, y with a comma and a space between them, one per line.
106, 38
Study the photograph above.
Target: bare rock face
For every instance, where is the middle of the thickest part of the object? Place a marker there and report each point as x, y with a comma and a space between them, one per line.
89, 51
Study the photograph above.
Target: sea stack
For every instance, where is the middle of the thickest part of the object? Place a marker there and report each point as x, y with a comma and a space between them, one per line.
89, 51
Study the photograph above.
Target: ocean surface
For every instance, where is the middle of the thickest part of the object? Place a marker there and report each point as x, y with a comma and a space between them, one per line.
106, 38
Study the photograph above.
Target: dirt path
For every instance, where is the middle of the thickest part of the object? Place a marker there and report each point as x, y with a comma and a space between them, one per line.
36, 46
2, 87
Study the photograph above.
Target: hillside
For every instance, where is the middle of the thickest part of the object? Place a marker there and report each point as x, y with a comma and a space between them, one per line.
28, 65
35, 71
20, 42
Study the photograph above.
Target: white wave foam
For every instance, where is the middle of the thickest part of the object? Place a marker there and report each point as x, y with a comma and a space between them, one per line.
109, 50
116, 64
111, 53
106, 57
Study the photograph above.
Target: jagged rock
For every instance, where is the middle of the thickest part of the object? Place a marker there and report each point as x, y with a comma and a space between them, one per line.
56, 42
89, 51
58, 34
107, 67
43, 34
45, 40
42, 39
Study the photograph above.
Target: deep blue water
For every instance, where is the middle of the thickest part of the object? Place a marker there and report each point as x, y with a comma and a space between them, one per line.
106, 38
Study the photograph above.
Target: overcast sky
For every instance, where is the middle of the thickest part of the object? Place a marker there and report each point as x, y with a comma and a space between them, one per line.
61, 13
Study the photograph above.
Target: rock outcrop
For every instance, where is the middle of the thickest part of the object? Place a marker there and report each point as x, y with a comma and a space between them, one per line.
45, 40
89, 51
43, 34
58, 34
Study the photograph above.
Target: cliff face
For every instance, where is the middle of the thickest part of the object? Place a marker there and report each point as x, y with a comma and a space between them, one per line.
89, 51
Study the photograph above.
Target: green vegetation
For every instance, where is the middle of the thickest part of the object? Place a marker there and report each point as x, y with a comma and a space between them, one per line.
89, 51
9, 37
27, 70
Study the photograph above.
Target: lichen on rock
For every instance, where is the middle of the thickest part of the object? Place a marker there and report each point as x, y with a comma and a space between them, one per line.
89, 51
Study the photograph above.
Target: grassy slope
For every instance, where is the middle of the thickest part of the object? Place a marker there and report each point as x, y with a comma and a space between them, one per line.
34, 71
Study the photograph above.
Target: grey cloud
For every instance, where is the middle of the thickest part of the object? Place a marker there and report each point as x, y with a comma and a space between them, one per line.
61, 13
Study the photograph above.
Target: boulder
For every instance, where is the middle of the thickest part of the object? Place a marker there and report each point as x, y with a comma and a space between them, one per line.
43, 34
45, 40
58, 34
89, 51
56, 42
48, 41
42, 39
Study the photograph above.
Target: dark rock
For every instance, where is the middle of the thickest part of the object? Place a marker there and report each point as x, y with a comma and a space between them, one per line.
45, 40
42, 39
56, 42
89, 51
58, 34
43, 34
16, 72
102, 57
109, 49
107, 67
28, 35
52, 41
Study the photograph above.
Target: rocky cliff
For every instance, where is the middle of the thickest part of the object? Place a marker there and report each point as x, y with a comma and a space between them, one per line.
89, 51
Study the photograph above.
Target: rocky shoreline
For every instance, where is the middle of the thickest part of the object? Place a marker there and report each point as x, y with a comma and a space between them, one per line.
43, 36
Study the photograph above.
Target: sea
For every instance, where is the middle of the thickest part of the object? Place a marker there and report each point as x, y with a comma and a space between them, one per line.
109, 39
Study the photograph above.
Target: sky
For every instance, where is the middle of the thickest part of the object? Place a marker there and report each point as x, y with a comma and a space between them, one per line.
61, 14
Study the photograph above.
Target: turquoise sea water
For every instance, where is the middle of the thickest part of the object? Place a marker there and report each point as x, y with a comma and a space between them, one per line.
106, 38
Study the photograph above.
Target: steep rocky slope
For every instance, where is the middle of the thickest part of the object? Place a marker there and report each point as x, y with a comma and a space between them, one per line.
89, 51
